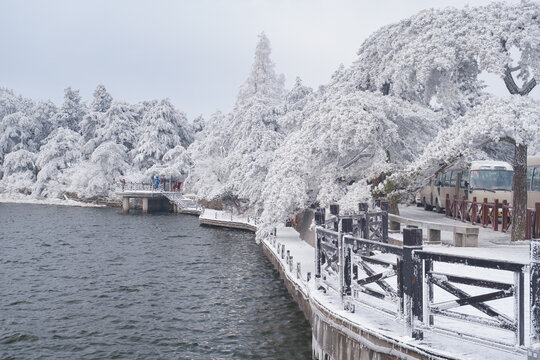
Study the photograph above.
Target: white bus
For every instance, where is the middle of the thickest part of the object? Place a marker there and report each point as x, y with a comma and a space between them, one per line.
533, 180
482, 179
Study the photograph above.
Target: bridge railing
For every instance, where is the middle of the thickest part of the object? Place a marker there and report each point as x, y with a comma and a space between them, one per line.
427, 290
165, 186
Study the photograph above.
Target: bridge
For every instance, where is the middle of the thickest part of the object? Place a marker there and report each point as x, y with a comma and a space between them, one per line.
154, 199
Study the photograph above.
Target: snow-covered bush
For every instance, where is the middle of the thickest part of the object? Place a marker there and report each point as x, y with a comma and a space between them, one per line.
19, 172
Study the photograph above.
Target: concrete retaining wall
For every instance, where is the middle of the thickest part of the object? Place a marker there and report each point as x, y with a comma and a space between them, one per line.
227, 224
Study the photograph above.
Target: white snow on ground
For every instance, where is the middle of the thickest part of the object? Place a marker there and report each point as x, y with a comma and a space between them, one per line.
23, 199
486, 238
384, 325
227, 216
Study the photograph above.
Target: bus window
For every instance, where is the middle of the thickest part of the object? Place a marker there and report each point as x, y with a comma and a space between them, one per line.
529, 176
452, 178
444, 179
535, 184
464, 179
492, 179
438, 180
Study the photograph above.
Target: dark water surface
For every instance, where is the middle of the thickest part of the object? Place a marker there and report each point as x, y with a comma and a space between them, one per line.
78, 283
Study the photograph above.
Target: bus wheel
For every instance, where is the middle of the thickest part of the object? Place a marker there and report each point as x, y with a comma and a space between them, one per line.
426, 206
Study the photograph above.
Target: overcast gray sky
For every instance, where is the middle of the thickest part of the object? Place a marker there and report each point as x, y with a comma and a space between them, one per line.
197, 53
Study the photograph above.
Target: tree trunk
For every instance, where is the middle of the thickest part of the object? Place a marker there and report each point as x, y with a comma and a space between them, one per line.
519, 200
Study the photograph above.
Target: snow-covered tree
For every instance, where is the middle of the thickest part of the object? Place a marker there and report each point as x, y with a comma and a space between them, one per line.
102, 99
250, 135
11, 103
162, 129
436, 57
98, 176
198, 124
61, 150
72, 111
206, 156
42, 115
118, 125
352, 136
296, 107
263, 85
175, 164
19, 172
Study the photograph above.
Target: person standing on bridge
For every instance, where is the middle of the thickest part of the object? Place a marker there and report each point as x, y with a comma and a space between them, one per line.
157, 182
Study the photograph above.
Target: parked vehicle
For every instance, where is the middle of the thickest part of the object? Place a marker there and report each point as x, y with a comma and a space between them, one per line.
482, 179
533, 180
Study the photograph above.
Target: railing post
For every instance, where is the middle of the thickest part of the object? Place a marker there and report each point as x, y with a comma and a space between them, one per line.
399, 273
319, 217
496, 215
519, 285
317, 254
362, 211
291, 262
504, 224
341, 260
537, 220
412, 281
428, 292
485, 213
535, 291
528, 224
454, 207
365, 226
474, 211
384, 209
345, 266
334, 210
464, 208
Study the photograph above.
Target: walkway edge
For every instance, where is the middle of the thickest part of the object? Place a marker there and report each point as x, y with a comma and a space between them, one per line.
338, 337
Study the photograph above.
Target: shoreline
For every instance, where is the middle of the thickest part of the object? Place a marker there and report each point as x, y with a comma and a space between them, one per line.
58, 202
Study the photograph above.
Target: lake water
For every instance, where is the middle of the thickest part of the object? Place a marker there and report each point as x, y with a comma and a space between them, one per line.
86, 283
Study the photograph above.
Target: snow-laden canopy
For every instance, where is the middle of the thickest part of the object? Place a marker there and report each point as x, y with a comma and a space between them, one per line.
440, 53
352, 136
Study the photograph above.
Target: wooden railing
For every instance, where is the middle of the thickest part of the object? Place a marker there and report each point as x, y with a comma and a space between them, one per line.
484, 214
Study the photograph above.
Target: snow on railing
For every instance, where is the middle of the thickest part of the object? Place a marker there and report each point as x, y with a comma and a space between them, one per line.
400, 281
142, 186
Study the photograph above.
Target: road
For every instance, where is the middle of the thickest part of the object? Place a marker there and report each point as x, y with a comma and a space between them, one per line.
491, 244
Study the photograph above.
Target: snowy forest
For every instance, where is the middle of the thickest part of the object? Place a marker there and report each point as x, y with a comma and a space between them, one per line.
412, 103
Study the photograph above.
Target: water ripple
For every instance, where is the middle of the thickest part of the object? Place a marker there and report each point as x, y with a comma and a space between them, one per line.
105, 285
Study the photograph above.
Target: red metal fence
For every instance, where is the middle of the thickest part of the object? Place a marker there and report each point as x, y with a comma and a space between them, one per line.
483, 213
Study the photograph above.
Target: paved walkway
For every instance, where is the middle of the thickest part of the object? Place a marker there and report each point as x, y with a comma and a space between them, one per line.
491, 244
